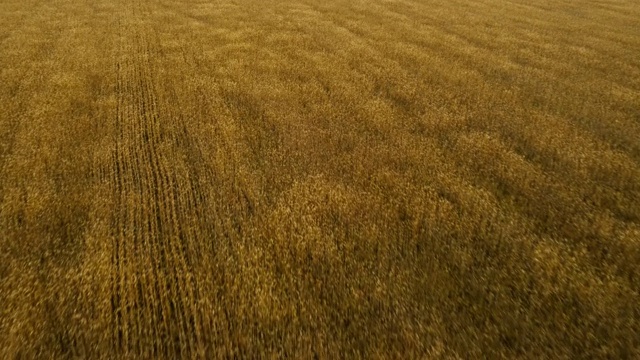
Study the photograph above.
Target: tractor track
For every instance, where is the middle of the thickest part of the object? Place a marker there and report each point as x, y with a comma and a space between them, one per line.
153, 293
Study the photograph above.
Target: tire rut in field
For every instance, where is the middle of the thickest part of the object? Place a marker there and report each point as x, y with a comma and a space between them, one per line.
153, 293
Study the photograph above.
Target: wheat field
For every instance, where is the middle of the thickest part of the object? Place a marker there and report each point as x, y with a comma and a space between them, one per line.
319, 179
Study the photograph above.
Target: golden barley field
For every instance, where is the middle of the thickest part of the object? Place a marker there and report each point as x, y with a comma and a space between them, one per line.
393, 179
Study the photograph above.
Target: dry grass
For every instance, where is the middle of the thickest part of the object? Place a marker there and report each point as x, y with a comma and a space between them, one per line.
367, 179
